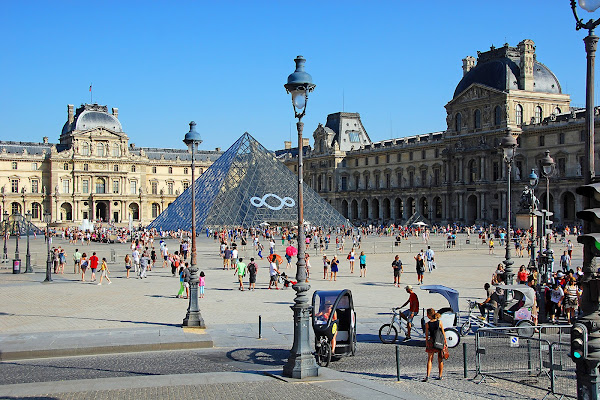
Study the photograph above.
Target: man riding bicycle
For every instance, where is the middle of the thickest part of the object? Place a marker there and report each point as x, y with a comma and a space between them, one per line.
413, 310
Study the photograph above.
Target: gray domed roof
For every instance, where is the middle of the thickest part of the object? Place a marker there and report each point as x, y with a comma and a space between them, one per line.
504, 74
94, 119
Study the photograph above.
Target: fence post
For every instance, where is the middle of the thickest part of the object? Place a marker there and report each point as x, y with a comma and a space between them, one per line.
260, 326
477, 355
464, 360
398, 362
529, 356
551, 357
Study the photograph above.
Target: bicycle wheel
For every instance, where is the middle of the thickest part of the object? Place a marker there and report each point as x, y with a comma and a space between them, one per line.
353, 344
465, 328
452, 337
324, 354
388, 333
527, 328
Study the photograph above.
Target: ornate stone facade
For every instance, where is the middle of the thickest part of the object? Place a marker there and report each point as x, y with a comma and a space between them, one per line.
93, 173
457, 175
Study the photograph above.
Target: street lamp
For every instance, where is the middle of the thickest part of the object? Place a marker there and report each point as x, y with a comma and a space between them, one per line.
47, 220
548, 168
587, 368
6, 235
28, 267
193, 318
18, 218
509, 146
533, 182
301, 363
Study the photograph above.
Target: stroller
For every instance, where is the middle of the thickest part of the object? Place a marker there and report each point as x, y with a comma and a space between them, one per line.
285, 281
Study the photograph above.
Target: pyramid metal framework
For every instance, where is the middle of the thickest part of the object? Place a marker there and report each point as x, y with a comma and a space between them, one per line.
247, 187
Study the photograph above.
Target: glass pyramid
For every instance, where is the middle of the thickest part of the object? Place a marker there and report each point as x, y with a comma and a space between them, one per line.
246, 187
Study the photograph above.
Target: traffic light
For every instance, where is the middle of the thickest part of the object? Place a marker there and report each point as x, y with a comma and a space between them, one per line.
591, 235
579, 341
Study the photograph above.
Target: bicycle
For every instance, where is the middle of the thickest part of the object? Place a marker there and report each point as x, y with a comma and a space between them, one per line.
388, 333
523, 327
323, 352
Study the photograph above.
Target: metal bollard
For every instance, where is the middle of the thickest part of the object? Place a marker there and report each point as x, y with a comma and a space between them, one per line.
464, 360
398, 362
260, 326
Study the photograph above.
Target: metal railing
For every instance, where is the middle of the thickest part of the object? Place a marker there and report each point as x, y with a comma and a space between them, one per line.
539, 361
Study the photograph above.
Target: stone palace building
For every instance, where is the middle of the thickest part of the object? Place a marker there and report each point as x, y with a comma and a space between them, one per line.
457, 175
93, 173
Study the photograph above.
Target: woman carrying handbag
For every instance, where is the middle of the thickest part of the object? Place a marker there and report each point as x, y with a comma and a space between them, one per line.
436, 342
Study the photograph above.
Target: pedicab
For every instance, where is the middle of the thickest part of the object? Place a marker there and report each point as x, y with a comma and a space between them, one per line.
334, 323
450, 316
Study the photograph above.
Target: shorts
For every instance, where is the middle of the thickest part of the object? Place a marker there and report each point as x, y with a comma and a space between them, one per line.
186, 284
128, 267
166, 257
396, 272
334, 269
252, 278
274, 278
363, 266
407, 315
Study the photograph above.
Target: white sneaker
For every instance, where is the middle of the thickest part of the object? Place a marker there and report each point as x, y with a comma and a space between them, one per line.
109, 282
99, 284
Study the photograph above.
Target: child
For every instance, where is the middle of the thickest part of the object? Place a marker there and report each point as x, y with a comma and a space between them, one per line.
127, 264
181, 286
104, 272
201, 284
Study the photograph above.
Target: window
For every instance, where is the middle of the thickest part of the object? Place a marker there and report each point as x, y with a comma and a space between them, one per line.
100, 185
472, 171
169, 187
423, 153
116, 150
410, 156
436, 177
85, 186
354, 137
399, 179
65, 167
561, 138
376, 181
344, 163
542, 141
458, 122
170, 170
538, 115
496, 170
155, 210
14, 165
154, 187
477, 119
14, 186
116, 184
116, 168
344, 183
100, 149
437, 152
66, 183
377, 160
388, 181
518, 114
387, 158
34, 166
133, 168
356, 182
411, 178
185, 185
582, 136
319, 183
153, 170
35, 211
497, 115
185, 171
356, 162
366, 160
133, 187
15, 208
35, 186
86, 167
366, 181
562, 166
329, 184
519, 169
399, 157
85, 149
423, 177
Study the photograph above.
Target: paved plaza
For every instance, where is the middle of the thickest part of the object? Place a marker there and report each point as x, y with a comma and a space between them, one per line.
68, 314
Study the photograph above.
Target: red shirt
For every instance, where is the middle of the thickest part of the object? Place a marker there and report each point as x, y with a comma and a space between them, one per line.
414, 302
94, 262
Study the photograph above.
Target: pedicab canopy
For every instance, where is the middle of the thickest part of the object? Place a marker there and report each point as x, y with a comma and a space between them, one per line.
450, 294
521, 293
323, 299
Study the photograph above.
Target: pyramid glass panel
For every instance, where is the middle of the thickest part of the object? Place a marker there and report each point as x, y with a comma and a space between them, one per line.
245, 187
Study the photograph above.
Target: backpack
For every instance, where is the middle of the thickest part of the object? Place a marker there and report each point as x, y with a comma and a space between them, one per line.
252, 268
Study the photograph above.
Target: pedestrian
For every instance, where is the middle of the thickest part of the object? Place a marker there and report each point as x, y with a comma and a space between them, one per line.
136, 260
307, 265
252, 270
127, 264
325, 265
77, 261
362, 259
144, 261
413, 309
84, 264
273, 272
556, 297
153, 258
420, 268
334, 268
430, 257
241, 272
201, 284
398, 269
260, 249
165, 254
93, 265
227, 258
436, 342
351, 258
491, 246
181, 282
62, 260
104, 272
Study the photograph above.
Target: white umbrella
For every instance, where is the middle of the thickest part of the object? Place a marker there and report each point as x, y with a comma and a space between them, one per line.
420, 223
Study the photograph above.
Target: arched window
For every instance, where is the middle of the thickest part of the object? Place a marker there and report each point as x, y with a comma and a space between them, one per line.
458, 122
538, 114
100, 185
66, 166
15, 208
153, 170
85, 150
472, 171
100, 149
518, 114
116, 150
116, 168
477, 119
133, 168
497, 115
155, 210
36, 211
170, 170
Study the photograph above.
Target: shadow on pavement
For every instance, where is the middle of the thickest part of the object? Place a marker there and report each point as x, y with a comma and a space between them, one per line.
270, 357
102, 319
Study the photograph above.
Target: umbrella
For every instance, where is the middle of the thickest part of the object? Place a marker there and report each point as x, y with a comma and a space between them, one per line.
291, 251
275, 258
264, 223
420, 223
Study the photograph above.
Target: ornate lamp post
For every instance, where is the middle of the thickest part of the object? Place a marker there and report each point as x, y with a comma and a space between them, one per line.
193, 318
18, 218
28, 267
587, 368
6, 234
548, 168
533, 182
509, 146
47, 220
301, 363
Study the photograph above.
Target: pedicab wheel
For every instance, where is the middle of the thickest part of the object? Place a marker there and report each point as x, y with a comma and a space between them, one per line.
388, 333
465, 328
452, 337
324, 354
526, 330
353, 344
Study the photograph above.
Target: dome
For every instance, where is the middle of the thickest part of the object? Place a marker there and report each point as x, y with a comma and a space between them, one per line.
93, 119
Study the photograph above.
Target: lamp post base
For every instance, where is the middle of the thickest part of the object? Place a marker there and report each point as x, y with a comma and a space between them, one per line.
301, 363
194, 320
48, 271
28, 267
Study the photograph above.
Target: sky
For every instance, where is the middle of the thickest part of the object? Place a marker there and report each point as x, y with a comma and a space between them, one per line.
223, 63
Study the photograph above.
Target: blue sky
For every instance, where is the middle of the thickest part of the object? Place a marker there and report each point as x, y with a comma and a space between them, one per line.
224, 63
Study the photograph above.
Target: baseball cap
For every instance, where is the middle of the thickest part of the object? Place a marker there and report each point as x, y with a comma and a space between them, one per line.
408, 287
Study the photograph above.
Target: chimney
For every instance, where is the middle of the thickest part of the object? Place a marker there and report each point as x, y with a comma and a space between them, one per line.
71, 118
115, 112
287, 145
305, 142
45, 139
468, 64
527, 53
217, 149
